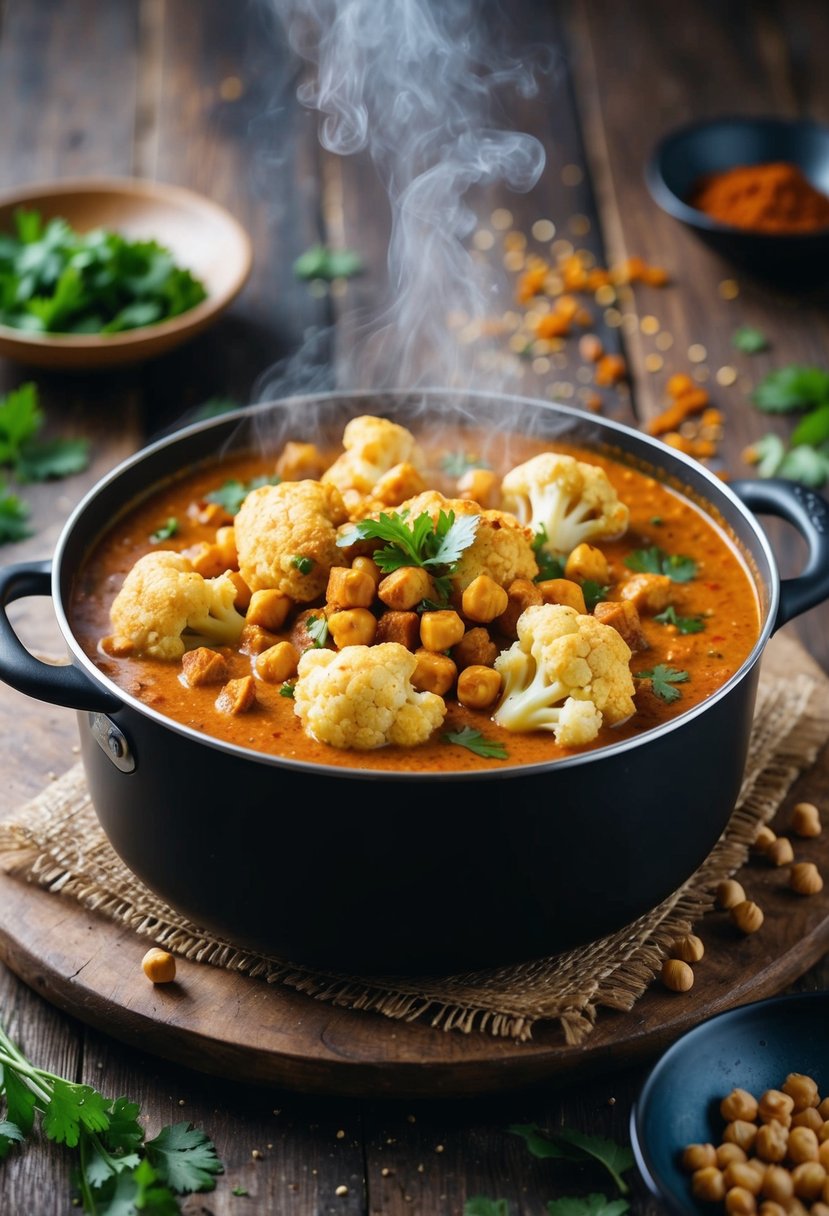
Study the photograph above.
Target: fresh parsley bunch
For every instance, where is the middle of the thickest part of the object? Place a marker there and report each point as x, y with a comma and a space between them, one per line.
804, 457
117, 1171
56, 280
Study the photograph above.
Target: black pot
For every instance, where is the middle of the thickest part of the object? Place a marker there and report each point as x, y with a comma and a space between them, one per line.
412, 872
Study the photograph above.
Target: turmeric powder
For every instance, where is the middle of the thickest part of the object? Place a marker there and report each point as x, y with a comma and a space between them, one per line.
774, 197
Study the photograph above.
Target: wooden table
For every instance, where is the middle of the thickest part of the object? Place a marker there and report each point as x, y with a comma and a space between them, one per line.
204, 95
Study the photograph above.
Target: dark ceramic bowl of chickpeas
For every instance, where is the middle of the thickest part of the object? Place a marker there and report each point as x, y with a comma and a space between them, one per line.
735, 1114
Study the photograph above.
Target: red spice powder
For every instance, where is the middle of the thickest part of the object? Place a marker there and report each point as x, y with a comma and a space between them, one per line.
775, 197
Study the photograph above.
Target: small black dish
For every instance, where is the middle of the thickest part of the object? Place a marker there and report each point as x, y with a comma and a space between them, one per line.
753, 1047
791, 261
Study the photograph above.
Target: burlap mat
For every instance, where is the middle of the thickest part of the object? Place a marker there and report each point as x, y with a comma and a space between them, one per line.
56, 841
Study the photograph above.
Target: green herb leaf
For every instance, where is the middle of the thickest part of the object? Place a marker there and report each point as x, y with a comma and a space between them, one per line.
317, 630
13, 516
287, 689
20, 420
569, 1145
549, 566
792, 388
52, 458
240, 1190
767, 454
10, 1134
455, 464
166, 531
657, 521
541, 1144
749, 340
72, 1108
423, 542
213, 407
593, 593
320, 262
477, 743
185, 1158
662, 680
479, 1205
587, 1205
231, 494
805, 464
685, 624
813, 428
303, 564
656, 561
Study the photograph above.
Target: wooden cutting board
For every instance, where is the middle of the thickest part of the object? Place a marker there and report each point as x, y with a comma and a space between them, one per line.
228, 1024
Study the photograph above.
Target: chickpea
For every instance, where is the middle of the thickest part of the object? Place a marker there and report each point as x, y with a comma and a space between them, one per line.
350, 588
726, 1153
587, 562
747, 916
805, 878
730, 893
823, 1108
226, 540
808, 1118
367, 565
777, 1184
442, 629
740, 1202
299, 461
159, 966
772, 1141
803, 1145
481, 485
780, 852
352, 627
819, 1209
806, 819
268, 609
689, 948
739, 1104
740, 1173
434, 672
822, 1131
278, 663
563, 591
809, 1178
244, 594
742, 1132
823, 1154
764, 839
478, 687
708, 1184
774, 1104
677, 975
803, 1091
698, 1156
484, 599
771, 1208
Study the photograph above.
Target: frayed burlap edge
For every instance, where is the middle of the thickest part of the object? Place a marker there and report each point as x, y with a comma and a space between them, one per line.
56, 842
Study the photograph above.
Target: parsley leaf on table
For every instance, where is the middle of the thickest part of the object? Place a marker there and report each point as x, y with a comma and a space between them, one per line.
326, 264
13, 516
567, 1144
656, 561
663, 679
813, 428
20, 420
477, 743
479, 1205
749, 340
184, 1158
52, 458
685, 624
791, 388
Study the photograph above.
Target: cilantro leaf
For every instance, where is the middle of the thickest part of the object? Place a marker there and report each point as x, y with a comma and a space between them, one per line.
617, 1159
549, 566
20, 419
319, 262
684, 624
662, 680
213, 407
587, 1205
813, 428
13, 516
540, 1144
287, 689
303, 564
479, 1205
10, 1134
749, 340
806, 465
71, 1108
125, 1133
656, 561
593, 593
792, 388
240, 1190
477, 743
20, 1101
424, 542
317, 630
232, 493
52, 458
184, 1158
165, 531
137, 1191
455, 464
767, 454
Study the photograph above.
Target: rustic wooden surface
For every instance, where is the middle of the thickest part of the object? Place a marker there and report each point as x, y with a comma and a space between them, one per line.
189, 93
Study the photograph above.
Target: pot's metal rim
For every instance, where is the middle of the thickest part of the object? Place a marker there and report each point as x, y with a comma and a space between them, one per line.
664, 459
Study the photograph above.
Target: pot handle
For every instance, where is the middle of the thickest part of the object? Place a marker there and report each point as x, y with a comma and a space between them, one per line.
59, 685
808, 512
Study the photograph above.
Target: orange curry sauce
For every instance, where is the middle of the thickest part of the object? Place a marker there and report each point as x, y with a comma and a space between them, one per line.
722, 593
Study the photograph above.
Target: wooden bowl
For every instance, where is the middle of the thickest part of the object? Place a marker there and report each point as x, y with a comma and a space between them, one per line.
201, 235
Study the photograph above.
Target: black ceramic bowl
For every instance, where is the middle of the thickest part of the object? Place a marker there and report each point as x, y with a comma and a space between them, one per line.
753, 1047
791, 261
373, 871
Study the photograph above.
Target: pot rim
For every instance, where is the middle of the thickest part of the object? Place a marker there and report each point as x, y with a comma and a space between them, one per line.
666, 461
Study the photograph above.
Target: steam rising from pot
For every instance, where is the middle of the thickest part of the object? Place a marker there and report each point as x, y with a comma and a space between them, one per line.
415, 84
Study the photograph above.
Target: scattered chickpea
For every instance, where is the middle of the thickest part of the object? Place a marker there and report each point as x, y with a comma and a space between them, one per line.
742, 1132
780, 852
740, 1202
698, 1156
764, 839
808, 1118
689, 948
808, 1178
806, 819
777, 1184
677, 975
803, 1145
727, 1153
770, 1208
739, 1104
803, 1091
159, 966
741, 1173
747, 916
772, 1142
776, 1105
708, 1184
805, 878
730, 893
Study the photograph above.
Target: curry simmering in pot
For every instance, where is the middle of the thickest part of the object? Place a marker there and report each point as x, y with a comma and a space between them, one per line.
395, 605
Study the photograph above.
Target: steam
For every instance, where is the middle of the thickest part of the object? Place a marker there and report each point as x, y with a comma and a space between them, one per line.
415, 84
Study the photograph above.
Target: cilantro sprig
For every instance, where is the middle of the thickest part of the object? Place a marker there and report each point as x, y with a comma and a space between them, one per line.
663, 680
683, 624
804, 456
56, 280
117, 1171
549, 566
232, 493
477, 743
165, 531
567, 1144
434, 545
679, 569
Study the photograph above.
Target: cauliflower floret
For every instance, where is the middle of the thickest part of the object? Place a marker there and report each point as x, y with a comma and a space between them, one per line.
571, 500
286, 537
373, 446
567, 673
162, 597
362, 697
502, 547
